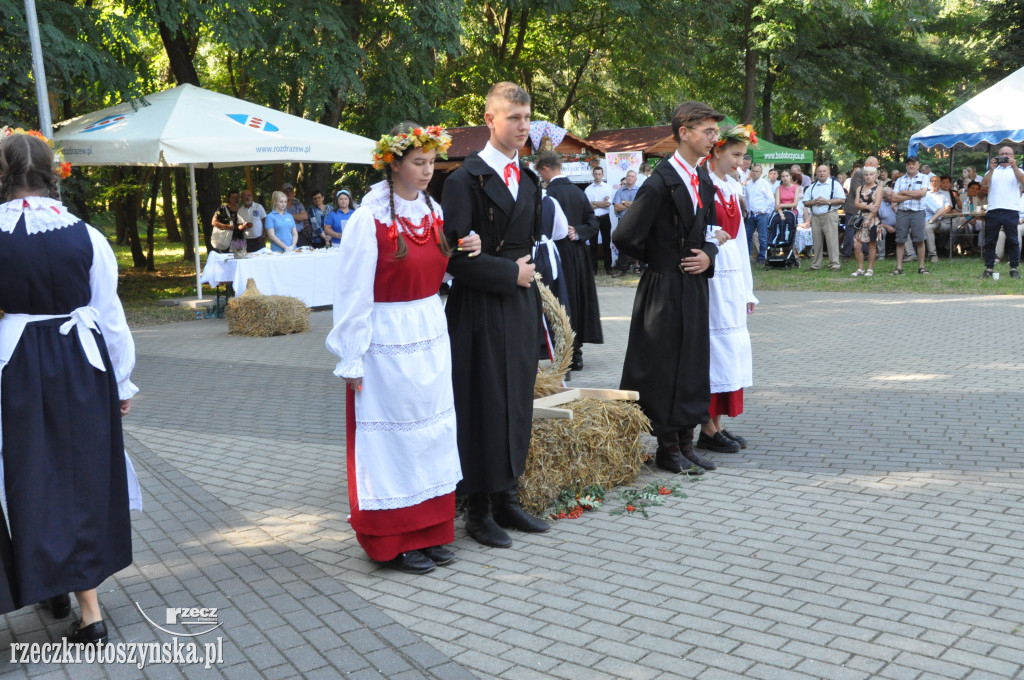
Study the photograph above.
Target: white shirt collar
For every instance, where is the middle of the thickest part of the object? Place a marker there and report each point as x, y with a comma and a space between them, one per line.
41, 214
496, 160
690, 168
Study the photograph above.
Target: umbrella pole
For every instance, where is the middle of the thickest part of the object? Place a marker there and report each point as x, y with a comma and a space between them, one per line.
195, 229
38, 71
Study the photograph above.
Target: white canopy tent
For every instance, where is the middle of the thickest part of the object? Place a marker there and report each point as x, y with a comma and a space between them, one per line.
996, 116
187, 125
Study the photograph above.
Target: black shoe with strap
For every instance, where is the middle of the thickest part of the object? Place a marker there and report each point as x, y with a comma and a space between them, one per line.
439, 555
735, 437
412, 562
93, 634
718, 443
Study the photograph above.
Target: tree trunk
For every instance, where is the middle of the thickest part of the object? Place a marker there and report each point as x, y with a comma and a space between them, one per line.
208, 197
184, 201
766, 101
749, 64
117, 207
170, 224
570, 97
320, 173
180, 51
132, 206
151, 221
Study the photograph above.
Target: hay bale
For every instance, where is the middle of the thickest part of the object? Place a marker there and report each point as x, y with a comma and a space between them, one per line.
261, 316
600, 445
550, 378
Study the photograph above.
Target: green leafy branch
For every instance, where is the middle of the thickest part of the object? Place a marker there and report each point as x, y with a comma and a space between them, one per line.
638, 500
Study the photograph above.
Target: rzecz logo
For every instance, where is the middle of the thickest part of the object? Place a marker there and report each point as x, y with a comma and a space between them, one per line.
252, 122
187, 618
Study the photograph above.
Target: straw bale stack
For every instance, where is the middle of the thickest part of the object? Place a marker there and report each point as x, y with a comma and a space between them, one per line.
599, 445
258, 315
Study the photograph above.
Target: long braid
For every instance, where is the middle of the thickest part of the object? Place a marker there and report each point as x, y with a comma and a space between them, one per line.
401, 249
442, 240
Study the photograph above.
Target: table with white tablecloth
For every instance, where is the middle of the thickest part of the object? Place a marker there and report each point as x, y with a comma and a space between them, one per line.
306, 275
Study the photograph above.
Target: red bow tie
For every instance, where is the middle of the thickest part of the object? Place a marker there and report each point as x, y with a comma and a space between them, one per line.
511, 169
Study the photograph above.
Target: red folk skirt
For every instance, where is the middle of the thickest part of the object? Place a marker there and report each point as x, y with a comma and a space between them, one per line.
726, 403
384, 534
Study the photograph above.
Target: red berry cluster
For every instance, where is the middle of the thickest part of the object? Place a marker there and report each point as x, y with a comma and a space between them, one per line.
575, 513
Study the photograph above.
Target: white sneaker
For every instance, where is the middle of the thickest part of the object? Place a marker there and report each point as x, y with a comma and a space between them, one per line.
859, 272
870, 272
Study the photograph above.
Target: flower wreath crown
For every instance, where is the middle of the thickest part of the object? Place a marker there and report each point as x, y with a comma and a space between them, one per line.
740, 133
60, 166
431, 137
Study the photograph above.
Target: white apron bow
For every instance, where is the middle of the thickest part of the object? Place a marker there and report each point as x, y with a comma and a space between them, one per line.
553, 256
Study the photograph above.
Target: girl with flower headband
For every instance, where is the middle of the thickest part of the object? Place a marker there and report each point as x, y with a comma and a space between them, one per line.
67, 357
391, 340
730, 295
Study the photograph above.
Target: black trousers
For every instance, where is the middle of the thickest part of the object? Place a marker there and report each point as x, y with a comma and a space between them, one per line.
604, 224
1005, 220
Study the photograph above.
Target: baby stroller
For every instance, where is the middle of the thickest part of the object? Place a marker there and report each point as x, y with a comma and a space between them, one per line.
781, 234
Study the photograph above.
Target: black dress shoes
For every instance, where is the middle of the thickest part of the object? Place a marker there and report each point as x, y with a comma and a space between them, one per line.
59, 606
412, 562
736, 438
697, 459
439, 555
718, 443
509, 515
480, 524
93, 634
576, 364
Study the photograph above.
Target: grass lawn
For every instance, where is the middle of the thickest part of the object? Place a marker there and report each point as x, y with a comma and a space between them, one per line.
959, 277
140, 290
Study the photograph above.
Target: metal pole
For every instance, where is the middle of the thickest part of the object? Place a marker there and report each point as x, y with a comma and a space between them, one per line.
195, 229
38, 71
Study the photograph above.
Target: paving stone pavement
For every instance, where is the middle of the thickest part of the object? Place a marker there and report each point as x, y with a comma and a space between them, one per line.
870, 530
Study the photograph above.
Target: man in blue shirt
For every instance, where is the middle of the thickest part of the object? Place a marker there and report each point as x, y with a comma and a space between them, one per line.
621, 201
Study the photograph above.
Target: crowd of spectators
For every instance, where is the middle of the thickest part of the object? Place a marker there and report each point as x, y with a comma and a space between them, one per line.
923, 214
287, 226
868, 211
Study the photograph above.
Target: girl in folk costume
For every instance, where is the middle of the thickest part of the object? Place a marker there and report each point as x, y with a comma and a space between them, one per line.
391, 339
731, 297
66, 356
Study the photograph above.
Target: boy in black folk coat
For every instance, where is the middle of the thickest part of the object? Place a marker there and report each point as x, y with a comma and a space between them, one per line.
494, 314
671, 226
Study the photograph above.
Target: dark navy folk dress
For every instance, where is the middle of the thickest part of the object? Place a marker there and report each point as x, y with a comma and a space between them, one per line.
65, 473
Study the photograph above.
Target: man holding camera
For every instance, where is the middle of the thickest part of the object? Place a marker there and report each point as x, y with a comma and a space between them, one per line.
1003, 181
